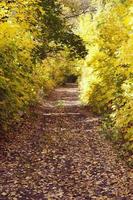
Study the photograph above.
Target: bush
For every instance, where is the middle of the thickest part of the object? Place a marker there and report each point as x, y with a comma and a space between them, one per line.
107, 77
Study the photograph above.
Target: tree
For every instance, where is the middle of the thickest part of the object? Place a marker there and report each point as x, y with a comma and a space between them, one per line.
56, 32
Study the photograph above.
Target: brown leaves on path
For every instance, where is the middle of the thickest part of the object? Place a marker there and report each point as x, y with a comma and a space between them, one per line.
58, 153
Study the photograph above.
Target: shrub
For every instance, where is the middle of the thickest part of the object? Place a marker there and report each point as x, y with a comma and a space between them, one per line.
107, 75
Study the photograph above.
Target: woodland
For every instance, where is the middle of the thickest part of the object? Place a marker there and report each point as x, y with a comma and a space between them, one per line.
46, 43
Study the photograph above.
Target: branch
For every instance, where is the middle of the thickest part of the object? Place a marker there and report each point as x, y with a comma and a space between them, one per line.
87, 10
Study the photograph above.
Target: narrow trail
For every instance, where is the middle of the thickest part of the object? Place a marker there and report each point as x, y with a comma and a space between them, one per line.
58, 153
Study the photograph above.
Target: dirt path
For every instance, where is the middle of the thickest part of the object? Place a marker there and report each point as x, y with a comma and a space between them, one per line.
59, 154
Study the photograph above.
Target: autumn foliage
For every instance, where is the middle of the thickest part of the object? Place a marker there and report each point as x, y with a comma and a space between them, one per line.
30, 43
39, 49
107, 72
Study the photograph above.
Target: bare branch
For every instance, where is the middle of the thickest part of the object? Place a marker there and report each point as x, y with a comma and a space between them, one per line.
87, 10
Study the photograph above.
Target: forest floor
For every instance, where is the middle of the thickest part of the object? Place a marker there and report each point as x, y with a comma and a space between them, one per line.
58, 153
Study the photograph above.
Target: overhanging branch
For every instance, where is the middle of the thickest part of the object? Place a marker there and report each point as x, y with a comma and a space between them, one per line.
87, 10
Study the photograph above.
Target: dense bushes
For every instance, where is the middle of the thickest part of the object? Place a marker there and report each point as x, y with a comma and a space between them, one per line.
107, 73
18, 39
16, 88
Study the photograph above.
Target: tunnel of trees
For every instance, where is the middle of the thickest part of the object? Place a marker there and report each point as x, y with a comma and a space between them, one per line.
43, 44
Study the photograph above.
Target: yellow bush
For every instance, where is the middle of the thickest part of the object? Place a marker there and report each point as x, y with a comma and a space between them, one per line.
107, 73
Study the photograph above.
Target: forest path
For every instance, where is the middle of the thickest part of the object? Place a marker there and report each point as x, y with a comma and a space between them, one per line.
59, 154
